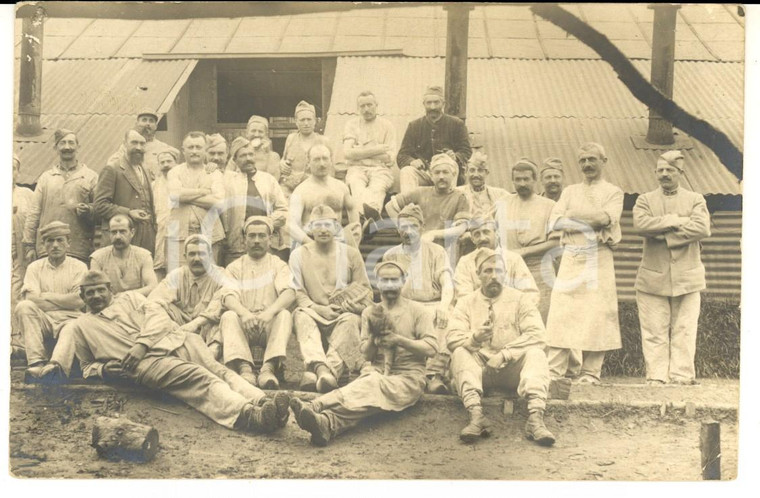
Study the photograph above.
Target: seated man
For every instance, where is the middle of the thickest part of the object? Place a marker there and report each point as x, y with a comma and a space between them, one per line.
496, 338
128, 267
402, 340
189, 297
332, 289
445, 209
49, 296
429, 284
258, 299
113, 341
518, 276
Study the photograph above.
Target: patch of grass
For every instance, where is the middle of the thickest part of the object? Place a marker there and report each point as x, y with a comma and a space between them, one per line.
718, 342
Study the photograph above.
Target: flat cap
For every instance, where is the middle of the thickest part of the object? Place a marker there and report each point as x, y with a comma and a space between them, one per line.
237, 144
94, 277
258, 119
412, 211
434, 90
262, 220
305, 106
60, 133
484, 254
444, 160
54, 229
147, 111
551, 163
322, 212
214, 140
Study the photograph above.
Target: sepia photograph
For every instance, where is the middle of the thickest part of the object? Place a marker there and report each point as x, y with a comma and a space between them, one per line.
375, 240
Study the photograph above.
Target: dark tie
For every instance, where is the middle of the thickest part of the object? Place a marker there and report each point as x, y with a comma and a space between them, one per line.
254, 207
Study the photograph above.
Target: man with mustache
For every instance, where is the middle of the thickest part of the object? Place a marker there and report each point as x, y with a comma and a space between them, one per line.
250, 192
114, 341
483, 198
189, 296
124, 188
194, 192
445, 209
429, 283
524, 219
324, 270
496, 339
128, 267
672, 221
434, 133
552, 178
588, 215
369, 146
265, 159
257, 299
484, 235
373, 392
50, 299
167, 159
321, 188
64, 193
146, 125
216, 153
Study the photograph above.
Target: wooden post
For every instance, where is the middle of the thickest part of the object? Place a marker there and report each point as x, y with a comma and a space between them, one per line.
660, 131
30, 75
709, 444
122, 439
457, 32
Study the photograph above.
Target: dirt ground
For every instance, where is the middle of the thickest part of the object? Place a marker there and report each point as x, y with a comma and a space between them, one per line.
50, 433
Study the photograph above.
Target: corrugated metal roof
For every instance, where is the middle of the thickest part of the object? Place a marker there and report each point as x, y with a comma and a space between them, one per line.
505, 140
97, 99
705, 32
537, 88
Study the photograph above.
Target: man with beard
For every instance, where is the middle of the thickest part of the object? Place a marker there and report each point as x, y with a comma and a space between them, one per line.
525, 219
552, 179
369, 146
188, 297
265, 159
484, 235
258, 299
496, 339
434, 133
429, 283
588, 215
166, 161
295, 158
194, 192
127, 267
113, 341
321, 188
672, 221
482, 198
64, 193
124, 188
250, 192
216, 153
332, 289
445, 210
146, 125
49, 298
410, 336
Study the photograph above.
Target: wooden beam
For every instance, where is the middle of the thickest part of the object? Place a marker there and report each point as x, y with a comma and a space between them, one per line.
457, 33
660, 130
30, 75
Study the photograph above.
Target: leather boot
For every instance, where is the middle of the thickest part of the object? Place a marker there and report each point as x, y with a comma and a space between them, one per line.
535, 430
436, 385
308, 382
281, 402
267, 376
478, 427
258, 418
311, 421
325, 379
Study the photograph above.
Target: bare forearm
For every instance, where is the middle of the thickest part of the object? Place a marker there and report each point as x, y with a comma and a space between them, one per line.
63, 301
419, 346
538, 249
283, 301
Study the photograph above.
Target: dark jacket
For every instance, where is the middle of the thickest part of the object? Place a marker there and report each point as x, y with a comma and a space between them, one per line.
423, 140
118, 191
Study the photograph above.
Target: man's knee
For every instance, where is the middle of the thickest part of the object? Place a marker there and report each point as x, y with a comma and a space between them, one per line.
228, 318
460, 359
283, 318
27, 307
302, 321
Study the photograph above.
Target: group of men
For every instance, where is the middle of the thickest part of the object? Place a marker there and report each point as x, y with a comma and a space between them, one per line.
215, 262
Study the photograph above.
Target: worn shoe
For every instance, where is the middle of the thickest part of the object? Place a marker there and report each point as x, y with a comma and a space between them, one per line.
435, 385
535, 430
268, 377
259, 418
297, 405
282, 402
246, 372
44, 373
308, 382
587, 379
325, 380
316, 424
371, 213
478, 427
